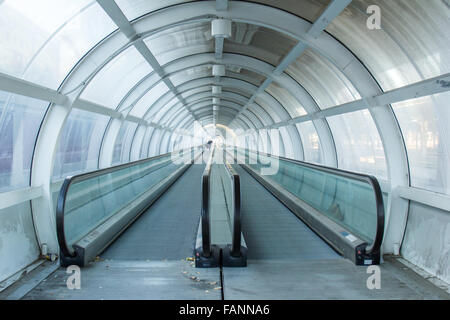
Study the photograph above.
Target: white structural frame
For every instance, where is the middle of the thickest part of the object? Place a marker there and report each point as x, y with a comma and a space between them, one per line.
373, 99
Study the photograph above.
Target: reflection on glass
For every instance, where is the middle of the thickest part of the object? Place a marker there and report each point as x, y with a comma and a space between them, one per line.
358, 143
348, 202
92, 201
45, 39
425, 124
79, 143
20, 118
113, 82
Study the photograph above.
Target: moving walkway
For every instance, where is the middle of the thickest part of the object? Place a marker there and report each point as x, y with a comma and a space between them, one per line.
345, 209
342, 208
149, 220
94, 208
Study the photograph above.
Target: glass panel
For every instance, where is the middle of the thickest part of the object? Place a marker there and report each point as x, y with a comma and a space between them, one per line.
136, 8
155, 115
122, 146
154, 143
283, 96
425, 124
236, 90
276, 114
79, 143
261, 116
324, 82
426, 239
18, 247
44, 39
413, 44
307, 9
350, 203
243, 74
190, 92
149, 99
145, 142
258, 42
27, 25
91, 202
204, 71
114, 81
180, 41
311, 142
189, 74
20, 119
177, 119
358, 144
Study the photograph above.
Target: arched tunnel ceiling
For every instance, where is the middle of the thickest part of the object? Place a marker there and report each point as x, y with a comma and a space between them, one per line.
298, 66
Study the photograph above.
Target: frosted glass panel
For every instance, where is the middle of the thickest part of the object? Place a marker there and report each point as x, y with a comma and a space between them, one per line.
26, 25
283, 96
136, 8
324, 82
307, 9
114, 81
190, 92
79, 143
155, 115
191, 73
45, 39
426, 239
413, 44
149, 99
20, 118
311, 142
180, 41
358, 144
425, 124
277, 114
122, 145
259, 42
145, 142
19, 246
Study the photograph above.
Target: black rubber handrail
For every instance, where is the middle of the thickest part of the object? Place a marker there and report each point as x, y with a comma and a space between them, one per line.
375, 247
205, 214
68, 181
237, 221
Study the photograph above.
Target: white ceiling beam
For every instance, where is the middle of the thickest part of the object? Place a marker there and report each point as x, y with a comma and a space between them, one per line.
117, 16
96, 108
28, 89
330, 12
413, 91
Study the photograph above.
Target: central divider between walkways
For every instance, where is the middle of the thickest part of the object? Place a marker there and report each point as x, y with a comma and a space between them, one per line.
219, 240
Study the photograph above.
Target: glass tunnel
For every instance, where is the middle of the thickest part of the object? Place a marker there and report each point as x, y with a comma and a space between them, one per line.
300, 141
